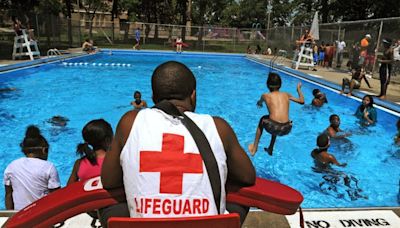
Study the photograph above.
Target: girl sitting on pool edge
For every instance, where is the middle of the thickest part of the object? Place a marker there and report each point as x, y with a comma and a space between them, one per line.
29, 178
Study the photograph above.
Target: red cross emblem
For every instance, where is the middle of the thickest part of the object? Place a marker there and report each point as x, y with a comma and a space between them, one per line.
171, 162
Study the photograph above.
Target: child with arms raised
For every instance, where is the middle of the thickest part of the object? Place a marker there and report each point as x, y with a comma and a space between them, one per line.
277, 123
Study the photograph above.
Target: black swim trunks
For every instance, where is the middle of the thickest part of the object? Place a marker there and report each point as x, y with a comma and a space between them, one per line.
273, 127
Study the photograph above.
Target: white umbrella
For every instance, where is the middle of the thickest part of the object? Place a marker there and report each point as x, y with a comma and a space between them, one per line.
314, 31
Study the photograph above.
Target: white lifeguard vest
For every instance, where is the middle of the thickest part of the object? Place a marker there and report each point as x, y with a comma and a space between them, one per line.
164, 174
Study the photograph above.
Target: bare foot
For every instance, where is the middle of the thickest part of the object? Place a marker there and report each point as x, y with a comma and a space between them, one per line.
349, 94
252, 149
382, 97
341, 92
268, 150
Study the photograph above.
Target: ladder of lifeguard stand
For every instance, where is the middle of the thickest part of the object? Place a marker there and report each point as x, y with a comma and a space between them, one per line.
23, 41
307, 55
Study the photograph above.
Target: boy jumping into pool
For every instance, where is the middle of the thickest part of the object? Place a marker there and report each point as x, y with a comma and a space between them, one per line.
277, 123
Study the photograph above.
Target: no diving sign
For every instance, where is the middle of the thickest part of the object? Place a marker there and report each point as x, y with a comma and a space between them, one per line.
344, 219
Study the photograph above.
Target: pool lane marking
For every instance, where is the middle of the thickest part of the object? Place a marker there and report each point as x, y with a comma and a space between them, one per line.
357, 218
326, 87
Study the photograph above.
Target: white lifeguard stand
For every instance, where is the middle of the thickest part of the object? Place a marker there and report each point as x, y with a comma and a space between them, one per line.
305, 57
24, 47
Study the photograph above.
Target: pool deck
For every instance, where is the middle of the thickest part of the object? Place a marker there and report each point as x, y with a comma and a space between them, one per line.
336, 75
258, 218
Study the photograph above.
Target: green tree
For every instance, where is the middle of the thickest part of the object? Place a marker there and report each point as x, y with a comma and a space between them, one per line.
365, 9
207, 12
49, 11
69, 8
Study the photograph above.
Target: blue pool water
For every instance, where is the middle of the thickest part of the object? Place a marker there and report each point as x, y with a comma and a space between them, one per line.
228, 86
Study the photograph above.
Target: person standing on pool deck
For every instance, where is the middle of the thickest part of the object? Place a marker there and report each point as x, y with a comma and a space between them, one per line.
137, 38
149, 142
385, 70
277, 123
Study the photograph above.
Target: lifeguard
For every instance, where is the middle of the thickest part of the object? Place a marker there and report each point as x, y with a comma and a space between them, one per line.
157, 161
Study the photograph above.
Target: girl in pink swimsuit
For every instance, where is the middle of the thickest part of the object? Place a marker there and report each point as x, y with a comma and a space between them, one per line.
97, 135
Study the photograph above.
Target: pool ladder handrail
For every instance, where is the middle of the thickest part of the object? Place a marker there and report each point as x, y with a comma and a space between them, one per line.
53, 52
272, 61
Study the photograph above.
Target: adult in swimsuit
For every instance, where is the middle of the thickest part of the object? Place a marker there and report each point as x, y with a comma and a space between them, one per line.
277, 123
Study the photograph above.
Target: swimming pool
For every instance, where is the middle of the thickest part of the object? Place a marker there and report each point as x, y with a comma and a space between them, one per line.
227, 86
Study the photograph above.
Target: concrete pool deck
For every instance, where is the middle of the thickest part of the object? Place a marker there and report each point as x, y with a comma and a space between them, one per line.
265, 219
336, 75
386, 217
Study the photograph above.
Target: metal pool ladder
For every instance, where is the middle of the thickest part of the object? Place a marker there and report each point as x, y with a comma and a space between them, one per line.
53, 52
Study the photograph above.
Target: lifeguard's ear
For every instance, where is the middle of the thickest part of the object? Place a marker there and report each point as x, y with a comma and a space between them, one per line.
193, 99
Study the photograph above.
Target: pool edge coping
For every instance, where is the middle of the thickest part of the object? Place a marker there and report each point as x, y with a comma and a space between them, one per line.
36, 62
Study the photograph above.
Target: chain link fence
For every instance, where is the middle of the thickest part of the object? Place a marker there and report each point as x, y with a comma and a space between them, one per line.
52, 32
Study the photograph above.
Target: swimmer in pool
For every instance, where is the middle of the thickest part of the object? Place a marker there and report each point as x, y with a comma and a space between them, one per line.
334, 130
366, 112
59, 121
5, 90
322, 158
138, 103
277, 123
319, 98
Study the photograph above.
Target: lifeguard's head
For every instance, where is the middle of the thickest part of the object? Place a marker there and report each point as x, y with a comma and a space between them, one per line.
173, 81
274, 81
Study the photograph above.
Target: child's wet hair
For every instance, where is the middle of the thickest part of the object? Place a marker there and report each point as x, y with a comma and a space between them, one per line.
274, 81
331, 117
371, 100
315, 92
98, 135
